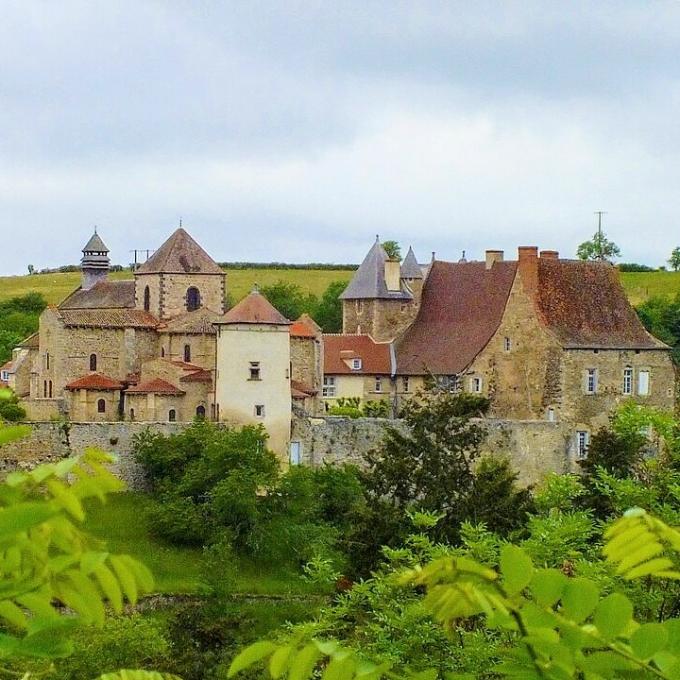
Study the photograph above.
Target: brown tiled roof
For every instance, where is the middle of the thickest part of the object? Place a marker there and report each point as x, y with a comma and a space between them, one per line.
104, 294
300, 386
180, 254
199, 321
255, 309
32, 341
94, 381
375, 356
7, 366
300, 329
154, 386
461, 308
202, 375
108, 318
584, 304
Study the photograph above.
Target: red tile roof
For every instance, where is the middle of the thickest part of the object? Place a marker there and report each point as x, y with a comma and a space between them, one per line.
95, 381
202, 375
107, 318
103, 295
584, 304
299, 329
7, 366
375, 356
154, 386
462, 306
308, 390
255, 309
180, 254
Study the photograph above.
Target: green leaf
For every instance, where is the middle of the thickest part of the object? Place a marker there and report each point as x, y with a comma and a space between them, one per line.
579, 599
613, 615
250, 655
302, 666
125, 577
341, 668
23, 517
547, 586
279, 661
648, 639
109, 585
516, 568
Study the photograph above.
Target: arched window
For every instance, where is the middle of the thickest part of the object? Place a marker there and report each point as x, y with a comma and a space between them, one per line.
101, 406
49, 388
193, 299
45, 389
172, 415
200, 412
147, 299
187, 353
93, 362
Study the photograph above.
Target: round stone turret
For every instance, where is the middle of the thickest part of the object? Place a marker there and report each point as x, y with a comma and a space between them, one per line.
95, 262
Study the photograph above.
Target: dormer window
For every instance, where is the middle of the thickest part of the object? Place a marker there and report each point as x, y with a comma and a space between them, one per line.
356, 364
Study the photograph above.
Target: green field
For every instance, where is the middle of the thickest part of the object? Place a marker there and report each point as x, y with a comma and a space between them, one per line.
640, 286
55, 287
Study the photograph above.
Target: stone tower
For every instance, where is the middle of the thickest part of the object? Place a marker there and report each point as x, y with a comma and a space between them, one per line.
378, 300
95, 261
179, 277
412, 275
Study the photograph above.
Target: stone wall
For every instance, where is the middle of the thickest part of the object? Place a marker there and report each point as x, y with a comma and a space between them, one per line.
535, 447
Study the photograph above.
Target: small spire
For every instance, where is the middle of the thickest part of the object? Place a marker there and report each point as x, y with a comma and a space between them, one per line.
180, 222
462, 258
433, 254
95, 228
377, 238
256, 288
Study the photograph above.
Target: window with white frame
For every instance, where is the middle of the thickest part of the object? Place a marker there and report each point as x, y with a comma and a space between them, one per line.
447, 383
295, 453
405, 384
476, 384
4, 376
550, 414
378, 383
628, 380
582, 444
643, 383
328, 389
591, 381
356, 364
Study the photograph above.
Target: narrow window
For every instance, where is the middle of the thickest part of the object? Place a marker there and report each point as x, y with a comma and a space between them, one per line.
49, 388
200, 412
328, 386
359, 306
93, 362
550, 414
628, 380
147, 299
254, 370
295, 453
356, 364
172, 415
132, 414
582, 443
476, 385
643, 383
187, 353
45, 389
259, 410
162, 352
378, 383
405, 383
101, 406
193, 299
47, 361
506, 344
591, 381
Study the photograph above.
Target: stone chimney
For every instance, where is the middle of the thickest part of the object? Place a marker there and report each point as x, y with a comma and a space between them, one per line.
527, 257
95, 262
550, 255
493, 256
393, 275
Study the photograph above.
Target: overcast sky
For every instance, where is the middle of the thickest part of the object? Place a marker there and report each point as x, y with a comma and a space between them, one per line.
296, 131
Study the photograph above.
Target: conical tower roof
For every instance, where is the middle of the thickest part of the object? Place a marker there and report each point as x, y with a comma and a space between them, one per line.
95, 244
369, 280
410, 269
180, 254
254, 309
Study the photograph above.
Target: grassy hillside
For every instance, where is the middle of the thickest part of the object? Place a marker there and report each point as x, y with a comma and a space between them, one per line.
55, 287
642, 285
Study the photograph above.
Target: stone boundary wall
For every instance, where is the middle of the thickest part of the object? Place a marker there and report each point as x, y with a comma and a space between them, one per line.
534, 447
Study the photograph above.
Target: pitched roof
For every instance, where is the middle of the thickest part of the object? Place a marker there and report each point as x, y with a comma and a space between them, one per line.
180, 254
107, 318
302, 387
200, 321
94, 381
7, 366
410, 269
95, 244
461, 308
31, 342
369, 280
202, 375
255, 309
154, 386
375, 356
584, 304
301, 329
103, 295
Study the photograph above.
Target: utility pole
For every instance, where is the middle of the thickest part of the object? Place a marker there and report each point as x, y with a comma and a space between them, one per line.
139, 251
599, 238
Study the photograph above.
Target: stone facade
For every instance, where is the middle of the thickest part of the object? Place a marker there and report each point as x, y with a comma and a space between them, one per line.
383, 320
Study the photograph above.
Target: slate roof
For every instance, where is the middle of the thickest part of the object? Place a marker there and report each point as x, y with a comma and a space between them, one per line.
584, 304
107, 318
375, 356
255, 309
200, 321
410, 269
368, 281
154, 386
104, 294
95, 244
462, 306
180, 254
95, 381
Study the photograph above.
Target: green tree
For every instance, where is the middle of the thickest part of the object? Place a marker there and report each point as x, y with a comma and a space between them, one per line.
598, 248
393, 249
674, 260
289, 299
328, 313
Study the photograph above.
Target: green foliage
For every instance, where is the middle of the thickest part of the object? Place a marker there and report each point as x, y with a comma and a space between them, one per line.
674, 259
598, 248
634, 267
660, 315
10, 411
289, 299
328, 313
393, 249
18, 319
